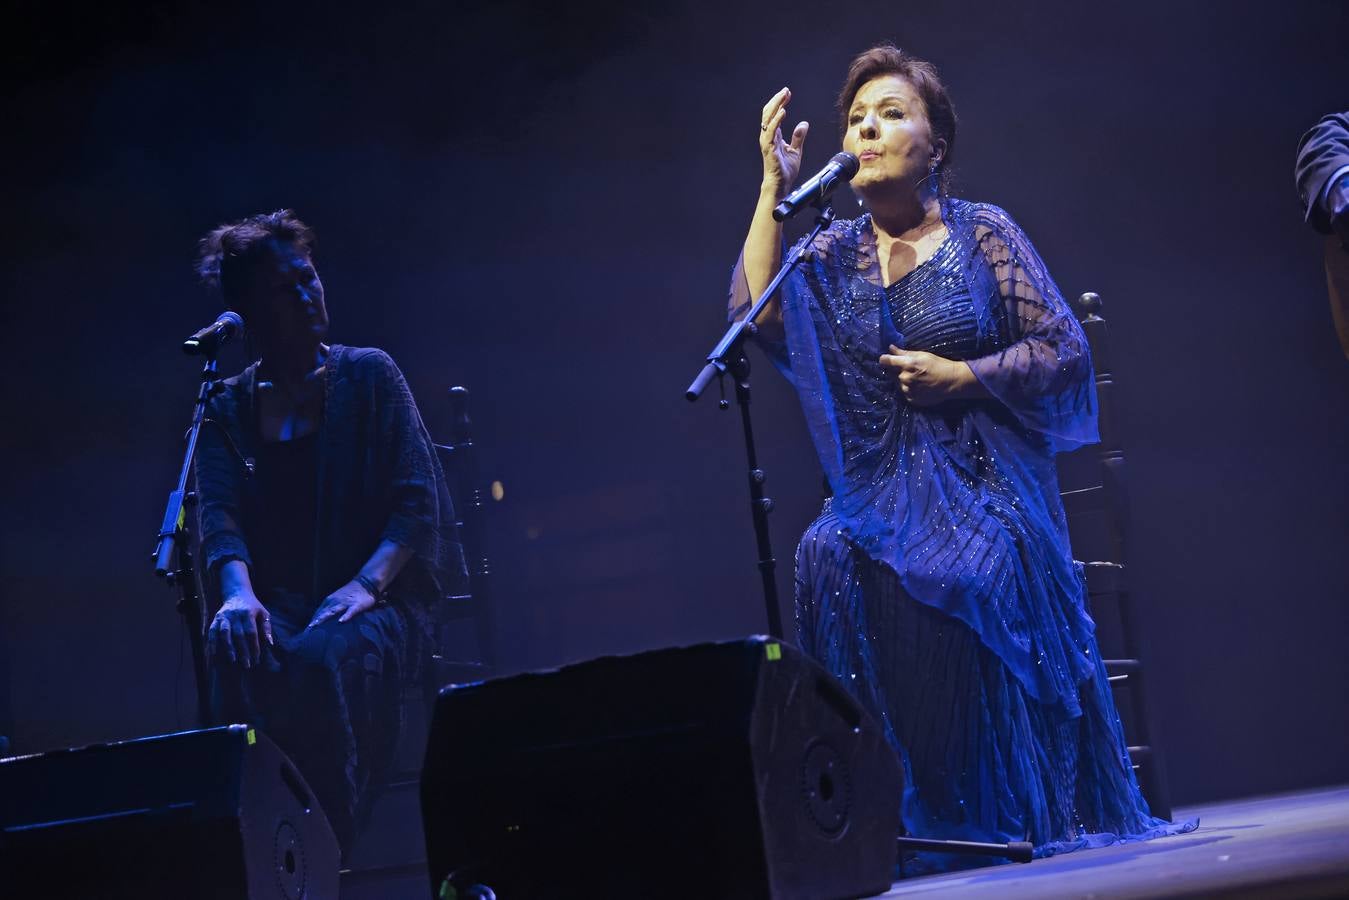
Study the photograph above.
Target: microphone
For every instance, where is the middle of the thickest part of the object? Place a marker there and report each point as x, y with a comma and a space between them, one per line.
841, 168
207, 342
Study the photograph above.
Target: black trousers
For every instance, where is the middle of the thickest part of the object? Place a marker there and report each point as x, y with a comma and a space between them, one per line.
329, 696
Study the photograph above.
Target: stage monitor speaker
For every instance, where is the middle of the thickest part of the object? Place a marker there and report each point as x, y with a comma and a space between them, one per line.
735, 769
215, 813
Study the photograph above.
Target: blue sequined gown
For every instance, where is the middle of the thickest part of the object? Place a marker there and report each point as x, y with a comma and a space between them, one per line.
937, 583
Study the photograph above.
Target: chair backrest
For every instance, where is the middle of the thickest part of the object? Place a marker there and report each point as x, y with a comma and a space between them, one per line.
1098, 526
459, 459
1098, 512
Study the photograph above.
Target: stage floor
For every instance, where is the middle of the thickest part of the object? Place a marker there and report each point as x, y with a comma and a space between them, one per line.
1291, 845
1286, 846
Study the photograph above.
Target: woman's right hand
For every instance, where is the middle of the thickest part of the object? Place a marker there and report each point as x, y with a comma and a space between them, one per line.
781, 160
239, 627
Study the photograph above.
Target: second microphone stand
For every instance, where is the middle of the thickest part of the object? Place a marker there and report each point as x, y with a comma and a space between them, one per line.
173, 550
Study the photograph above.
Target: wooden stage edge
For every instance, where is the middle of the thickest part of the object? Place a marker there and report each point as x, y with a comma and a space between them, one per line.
1289, 845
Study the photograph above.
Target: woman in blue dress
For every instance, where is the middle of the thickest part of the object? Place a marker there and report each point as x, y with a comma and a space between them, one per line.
940, 371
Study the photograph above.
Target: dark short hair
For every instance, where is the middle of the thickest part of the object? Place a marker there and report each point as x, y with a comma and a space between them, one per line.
227, 251
887, 59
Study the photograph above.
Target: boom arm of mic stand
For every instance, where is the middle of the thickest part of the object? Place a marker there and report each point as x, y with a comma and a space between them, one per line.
717, 360
729, 354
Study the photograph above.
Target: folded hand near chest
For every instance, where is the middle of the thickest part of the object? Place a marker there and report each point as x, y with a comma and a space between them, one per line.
926, 379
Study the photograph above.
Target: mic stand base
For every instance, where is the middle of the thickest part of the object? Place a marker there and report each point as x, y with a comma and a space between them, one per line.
1016, 851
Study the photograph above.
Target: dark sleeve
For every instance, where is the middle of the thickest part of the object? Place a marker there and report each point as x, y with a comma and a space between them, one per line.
417, 495
421, 513
1045, 375
219, 475
1322, 152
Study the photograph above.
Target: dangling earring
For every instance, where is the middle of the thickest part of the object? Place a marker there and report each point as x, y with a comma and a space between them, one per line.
932, 174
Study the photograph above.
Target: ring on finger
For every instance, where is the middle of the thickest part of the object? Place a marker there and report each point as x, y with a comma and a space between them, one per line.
763, 126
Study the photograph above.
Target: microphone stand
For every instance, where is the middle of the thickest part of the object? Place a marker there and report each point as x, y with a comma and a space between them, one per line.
173, 552
729, 355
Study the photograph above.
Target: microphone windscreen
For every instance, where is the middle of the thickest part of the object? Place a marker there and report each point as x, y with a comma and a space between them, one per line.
847, 163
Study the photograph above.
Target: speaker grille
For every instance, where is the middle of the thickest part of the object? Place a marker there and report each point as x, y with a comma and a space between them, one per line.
826, 783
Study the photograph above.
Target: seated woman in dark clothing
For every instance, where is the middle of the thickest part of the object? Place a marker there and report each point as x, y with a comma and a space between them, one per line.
326, 527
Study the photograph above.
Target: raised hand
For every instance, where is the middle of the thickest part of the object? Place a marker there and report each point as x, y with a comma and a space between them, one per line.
781, 160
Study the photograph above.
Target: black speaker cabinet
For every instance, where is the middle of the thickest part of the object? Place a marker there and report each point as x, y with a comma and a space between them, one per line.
213, 814
736, 769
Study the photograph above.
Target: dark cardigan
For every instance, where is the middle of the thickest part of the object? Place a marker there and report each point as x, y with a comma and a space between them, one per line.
378, 479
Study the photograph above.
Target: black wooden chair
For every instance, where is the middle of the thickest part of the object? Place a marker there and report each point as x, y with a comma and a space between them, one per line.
473, 605
389, 858
1098, 516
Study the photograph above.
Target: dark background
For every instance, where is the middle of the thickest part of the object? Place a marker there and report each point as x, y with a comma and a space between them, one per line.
543, 203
